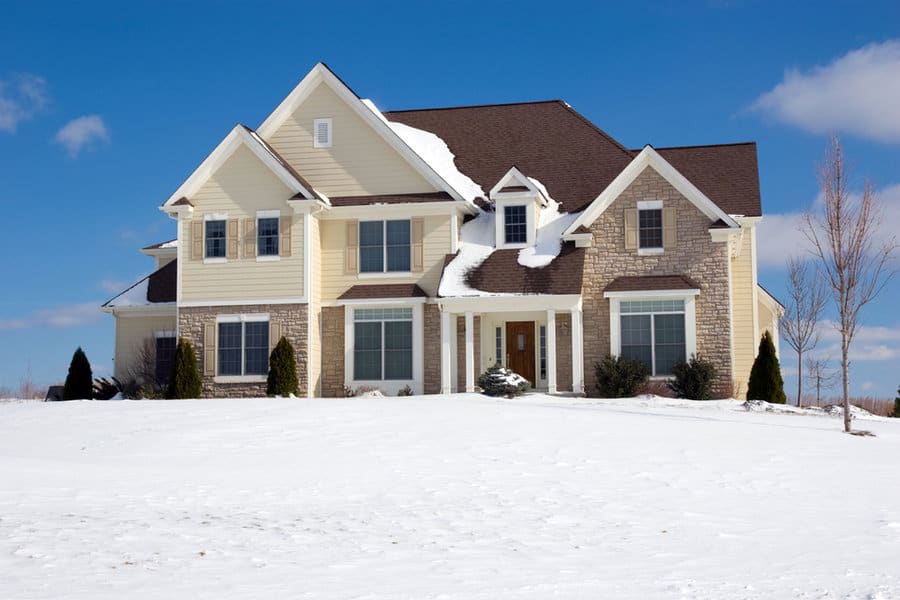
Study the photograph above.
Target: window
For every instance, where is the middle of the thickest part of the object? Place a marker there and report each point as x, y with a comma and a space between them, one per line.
653, 332
384, 246
543, 350
382, 344
215, 238
650, 234
165, 352
267, 236
515, 224
321, 133
498, 345
243, 348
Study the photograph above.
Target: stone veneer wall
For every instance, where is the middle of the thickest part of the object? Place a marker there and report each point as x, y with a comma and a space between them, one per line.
563, 352
695, 255
432, 349
291, 317
461, 350
333, 351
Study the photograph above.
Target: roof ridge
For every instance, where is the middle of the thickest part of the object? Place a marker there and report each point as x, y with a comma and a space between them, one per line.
750, 143
463, 106
603, 134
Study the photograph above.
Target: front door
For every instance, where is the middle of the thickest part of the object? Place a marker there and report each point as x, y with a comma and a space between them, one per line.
520, 348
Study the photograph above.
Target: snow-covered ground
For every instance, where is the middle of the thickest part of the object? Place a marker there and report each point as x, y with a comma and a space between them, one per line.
443, 497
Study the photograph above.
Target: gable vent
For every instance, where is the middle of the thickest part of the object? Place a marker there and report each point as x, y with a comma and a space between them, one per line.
322, 133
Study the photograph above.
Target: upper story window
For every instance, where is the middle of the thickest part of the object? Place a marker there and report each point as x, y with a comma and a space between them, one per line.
322, 133
267, 236
650, 225
215, 238
384, 246
515, 224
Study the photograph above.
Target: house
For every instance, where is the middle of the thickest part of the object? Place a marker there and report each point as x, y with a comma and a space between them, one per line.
417, 248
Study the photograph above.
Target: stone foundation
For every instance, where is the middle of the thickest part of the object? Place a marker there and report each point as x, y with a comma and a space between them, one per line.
333, 351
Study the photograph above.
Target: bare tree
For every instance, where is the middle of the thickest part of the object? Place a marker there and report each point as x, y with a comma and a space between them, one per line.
806, 299
854, 266
823, 378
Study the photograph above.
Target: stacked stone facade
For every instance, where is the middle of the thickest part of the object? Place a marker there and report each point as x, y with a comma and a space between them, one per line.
432, 349
292, 319
563, 352
333, 351
695, 255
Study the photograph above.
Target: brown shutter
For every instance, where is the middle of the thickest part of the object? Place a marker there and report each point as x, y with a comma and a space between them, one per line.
232, 240
274, 335
209, 349
631, 229
197, 239
670, 235
250, 238
418, 254
284, 244
351, 252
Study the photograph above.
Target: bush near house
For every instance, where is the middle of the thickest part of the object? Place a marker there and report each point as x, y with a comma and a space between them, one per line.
282, 379
80, 380
405, 391
619, 377
693, 379
766, 382
896, 413
500, 381
185, 379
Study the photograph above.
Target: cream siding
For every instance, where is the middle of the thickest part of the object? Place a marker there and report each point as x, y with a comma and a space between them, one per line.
131, 333
335, 280
768, 321
240, 188
742, 286
315, 312
359, 162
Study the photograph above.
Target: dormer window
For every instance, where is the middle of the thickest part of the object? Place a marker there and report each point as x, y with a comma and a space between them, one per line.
322, 137
515, 223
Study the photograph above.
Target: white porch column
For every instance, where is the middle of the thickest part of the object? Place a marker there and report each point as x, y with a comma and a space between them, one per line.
551, 351
470, 353
446, 353
577, 353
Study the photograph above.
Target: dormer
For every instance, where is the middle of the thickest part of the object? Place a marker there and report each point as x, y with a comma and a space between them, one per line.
518, 202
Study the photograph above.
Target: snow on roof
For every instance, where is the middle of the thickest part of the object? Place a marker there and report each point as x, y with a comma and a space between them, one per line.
550, 227
136, 295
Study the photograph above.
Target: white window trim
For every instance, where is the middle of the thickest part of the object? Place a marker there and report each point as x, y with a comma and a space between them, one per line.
238, 318
215, 260
649, 205
384, 253
164, 334
330, 125
268, 214
500, 223
690, 318
418, 354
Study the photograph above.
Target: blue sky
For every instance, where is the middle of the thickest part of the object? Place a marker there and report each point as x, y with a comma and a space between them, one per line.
105, 108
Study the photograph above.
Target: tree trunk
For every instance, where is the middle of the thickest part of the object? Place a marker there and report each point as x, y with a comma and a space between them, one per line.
799, 379
845, 373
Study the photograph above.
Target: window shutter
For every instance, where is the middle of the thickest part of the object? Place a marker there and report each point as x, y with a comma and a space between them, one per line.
284, 243
197, 239
209, 349
631, 229
249, 238
274, 335
418, 235
232, 240
351, 252
669, 231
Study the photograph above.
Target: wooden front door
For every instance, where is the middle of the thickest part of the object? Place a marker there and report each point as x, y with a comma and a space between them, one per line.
520, 348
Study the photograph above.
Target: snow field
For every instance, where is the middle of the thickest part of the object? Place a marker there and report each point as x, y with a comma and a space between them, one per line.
443, 497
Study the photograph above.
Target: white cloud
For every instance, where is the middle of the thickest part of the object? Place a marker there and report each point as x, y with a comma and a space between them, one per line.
858, 93
113, 286
870, 343
21, 97
81, 133
71, 315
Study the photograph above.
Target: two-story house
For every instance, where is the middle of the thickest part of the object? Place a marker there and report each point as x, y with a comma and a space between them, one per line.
417, 248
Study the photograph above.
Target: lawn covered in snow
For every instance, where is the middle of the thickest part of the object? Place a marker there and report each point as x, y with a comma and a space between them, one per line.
443, 497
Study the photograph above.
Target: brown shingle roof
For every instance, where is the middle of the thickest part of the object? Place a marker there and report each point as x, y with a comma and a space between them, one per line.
182, 202
162, 284
501, 273
159, 245
649, 283
546, 140
388, 290
391, 199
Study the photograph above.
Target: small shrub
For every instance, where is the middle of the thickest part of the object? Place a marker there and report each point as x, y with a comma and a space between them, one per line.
619, 377
765, 381
80, 381
405, 391
500, 381
693, 379
185, 379
348, 392
282, 379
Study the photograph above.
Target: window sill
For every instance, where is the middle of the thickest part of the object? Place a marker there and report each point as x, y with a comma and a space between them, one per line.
240, 379
385, 274
215, 261
650, 251
268, 258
